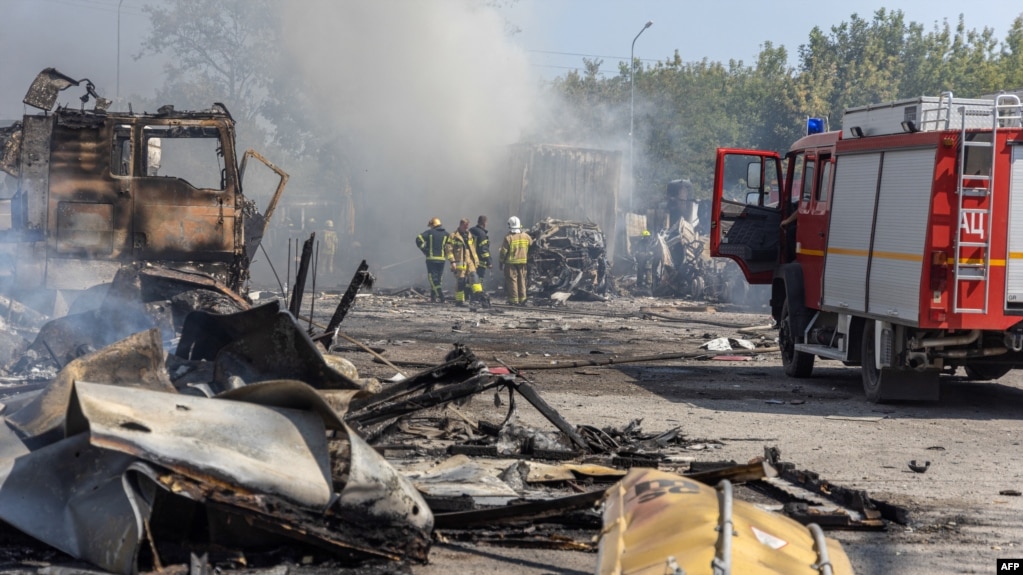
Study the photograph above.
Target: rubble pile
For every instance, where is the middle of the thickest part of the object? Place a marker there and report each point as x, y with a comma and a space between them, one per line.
240, 441
568, 260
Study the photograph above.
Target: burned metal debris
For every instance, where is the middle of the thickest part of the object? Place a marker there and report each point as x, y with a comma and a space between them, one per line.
173, 470
682, 267
568, 260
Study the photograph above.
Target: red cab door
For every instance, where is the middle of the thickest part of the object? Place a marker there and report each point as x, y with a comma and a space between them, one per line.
746, 211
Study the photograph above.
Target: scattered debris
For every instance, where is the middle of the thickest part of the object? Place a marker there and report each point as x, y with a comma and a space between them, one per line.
569, 258
919, 468
151, 454
862, 418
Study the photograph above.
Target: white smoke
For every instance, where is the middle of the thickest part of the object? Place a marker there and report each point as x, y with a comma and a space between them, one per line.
427, 94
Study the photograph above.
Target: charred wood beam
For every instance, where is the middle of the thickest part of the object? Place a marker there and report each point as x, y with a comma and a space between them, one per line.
303, 270
527, 391
434, 398
522, 386
460, 365
531, 512
855, 499
362, 278
736, 473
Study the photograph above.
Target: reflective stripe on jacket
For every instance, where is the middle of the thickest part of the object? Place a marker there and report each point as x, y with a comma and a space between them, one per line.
432, 243
515, 248
461, 251
482, 244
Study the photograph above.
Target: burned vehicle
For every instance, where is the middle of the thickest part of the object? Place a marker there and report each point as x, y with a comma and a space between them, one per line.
95, 190
568, 260
682, 267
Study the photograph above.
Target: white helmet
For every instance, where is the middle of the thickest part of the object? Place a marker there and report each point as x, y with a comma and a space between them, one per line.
514, 224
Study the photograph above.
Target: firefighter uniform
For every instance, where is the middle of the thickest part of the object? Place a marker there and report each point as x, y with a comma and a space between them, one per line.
433, 243
461, 252
513, 257
646, 257
482, 239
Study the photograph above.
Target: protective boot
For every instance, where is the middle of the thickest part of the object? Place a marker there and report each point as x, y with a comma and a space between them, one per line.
484, 300
440, 295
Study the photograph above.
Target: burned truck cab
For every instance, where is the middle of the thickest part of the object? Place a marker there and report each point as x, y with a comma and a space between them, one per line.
97, 190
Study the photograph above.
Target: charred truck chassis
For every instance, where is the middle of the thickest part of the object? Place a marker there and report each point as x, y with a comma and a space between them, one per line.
97, 190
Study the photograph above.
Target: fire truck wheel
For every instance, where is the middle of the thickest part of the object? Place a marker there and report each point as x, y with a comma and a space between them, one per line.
893, 384
872, 380
796, 363
985, 372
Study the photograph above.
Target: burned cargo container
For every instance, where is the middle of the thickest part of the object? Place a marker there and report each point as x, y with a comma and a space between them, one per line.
96, 190
569, 183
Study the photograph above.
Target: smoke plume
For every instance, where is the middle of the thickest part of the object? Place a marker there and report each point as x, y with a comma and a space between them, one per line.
426, 94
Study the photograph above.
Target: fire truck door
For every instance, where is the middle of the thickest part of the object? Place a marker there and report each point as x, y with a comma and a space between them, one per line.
183, 203
811, 237
745, 213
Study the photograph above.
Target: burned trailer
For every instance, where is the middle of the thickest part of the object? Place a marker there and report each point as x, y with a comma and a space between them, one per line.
96, 190
568, 260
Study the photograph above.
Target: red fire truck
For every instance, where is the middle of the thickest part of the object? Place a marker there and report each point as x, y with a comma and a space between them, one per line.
904, 259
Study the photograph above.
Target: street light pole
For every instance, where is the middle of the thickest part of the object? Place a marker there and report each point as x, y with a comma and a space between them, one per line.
119, 49
632, 109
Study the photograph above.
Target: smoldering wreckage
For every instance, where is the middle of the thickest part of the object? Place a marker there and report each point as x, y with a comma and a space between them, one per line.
175, 426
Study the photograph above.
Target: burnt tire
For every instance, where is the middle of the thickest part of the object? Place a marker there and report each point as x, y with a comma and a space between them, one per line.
796, 363
986, 371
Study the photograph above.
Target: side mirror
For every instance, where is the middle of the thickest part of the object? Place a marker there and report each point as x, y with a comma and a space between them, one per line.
752, 198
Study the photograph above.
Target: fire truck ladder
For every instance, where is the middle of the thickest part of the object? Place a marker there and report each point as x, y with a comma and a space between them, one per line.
938, 117
973, 258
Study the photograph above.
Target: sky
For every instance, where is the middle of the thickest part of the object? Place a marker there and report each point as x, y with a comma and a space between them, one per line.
80, 37
558, 33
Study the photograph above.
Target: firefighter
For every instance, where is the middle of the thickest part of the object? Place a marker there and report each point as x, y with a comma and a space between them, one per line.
433, 243
513, 257
479, 233
645, 254
330, 245
461, 252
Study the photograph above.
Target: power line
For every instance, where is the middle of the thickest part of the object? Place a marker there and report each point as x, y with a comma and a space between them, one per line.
97, 5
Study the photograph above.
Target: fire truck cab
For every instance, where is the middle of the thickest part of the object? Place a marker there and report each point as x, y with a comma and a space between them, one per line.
902, 257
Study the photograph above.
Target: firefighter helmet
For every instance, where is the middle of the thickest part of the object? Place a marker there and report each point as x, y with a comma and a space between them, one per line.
514, 223
330, 223
433, 223
646, 233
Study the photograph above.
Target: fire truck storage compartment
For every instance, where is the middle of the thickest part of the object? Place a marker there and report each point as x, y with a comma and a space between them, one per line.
927, 113
879, 260
1014, 265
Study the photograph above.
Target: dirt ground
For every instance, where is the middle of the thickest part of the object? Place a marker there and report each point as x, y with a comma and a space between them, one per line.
959, 520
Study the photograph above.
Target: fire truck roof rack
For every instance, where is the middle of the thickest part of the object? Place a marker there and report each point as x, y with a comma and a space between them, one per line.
930, 113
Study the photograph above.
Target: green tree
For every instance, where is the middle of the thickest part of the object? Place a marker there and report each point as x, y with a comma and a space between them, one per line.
220, 51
